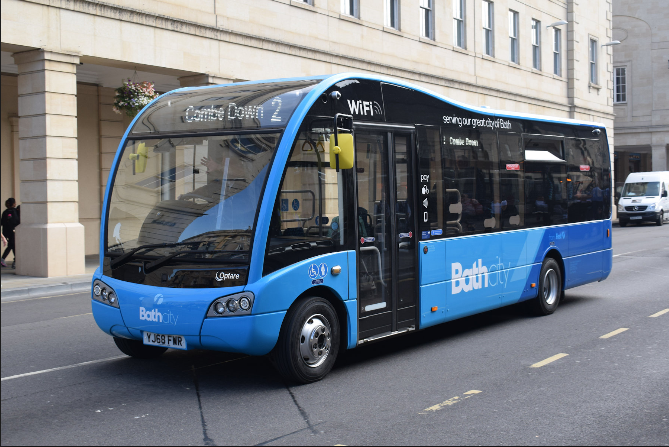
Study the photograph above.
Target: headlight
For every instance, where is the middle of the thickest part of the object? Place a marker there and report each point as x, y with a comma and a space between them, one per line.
232, 305
651, 207
621, 208
104, 294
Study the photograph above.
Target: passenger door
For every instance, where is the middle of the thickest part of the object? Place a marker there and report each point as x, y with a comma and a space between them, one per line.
387, 273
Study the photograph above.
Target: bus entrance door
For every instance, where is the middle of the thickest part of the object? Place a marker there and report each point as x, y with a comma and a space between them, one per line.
386, 266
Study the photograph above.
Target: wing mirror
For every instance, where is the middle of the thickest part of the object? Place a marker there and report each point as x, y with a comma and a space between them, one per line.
140, 158
664, 194
341, 146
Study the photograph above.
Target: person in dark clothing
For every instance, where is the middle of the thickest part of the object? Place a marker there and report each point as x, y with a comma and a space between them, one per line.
10, 220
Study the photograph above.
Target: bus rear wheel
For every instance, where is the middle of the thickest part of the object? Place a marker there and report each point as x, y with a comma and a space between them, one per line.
137, 349
550, 288
309, 341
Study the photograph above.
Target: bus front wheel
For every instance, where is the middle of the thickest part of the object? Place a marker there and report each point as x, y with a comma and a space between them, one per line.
137, 349
309, 341
550, 288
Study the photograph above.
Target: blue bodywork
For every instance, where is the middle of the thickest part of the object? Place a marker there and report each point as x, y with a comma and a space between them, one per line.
512, 261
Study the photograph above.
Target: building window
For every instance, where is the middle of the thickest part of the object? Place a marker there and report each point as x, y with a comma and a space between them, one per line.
392, 14
309, 2
488, 43
620, 85
536, 44
513, 35
557, 59
349, 7
459, 23
593, 61
426, 19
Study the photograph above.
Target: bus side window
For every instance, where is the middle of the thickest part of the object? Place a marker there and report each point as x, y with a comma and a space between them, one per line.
603, 170
545, 181
306, 220
512, 190
471, 169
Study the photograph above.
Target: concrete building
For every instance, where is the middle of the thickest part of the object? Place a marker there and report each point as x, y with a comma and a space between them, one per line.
61, 61
641, 86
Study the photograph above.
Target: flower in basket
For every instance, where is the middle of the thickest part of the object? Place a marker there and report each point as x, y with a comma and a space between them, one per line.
131, 97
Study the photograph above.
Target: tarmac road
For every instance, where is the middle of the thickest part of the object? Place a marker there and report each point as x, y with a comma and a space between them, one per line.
465, 382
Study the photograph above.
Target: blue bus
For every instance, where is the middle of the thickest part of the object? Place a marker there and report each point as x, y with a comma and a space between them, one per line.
301, 217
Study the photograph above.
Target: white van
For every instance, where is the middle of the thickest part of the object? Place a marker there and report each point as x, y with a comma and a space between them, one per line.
644, 198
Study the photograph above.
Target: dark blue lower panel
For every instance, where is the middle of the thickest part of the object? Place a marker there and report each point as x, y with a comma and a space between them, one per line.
253, 334
607, 263
108, 318
584, 269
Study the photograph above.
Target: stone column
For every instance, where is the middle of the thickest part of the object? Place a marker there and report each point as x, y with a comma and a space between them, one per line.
14, 121
203, 79
50, 239
659, 157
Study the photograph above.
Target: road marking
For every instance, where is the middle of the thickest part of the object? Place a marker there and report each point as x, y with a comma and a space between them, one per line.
18, 376
42, 298
616, 332
630, 252
662, 312
548, 360
72, 316
451, 401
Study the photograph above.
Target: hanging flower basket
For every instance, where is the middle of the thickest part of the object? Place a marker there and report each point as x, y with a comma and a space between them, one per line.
133, 96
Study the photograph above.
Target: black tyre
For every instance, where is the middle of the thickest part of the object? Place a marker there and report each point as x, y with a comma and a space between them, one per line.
660, 219
623, 223
137, 349
550, 288
309, 341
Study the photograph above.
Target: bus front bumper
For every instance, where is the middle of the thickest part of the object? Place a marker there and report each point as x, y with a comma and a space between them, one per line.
250, 334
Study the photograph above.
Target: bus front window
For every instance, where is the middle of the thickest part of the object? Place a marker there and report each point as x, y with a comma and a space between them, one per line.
190, 197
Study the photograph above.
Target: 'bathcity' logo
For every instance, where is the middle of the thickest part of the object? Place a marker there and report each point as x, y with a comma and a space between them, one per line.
155, 315
222, 276
477, 277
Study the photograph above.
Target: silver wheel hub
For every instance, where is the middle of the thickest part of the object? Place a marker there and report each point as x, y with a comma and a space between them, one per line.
315, 341
550, 287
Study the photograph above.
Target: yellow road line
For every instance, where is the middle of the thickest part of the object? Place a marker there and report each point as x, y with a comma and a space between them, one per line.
616, 332
662, 312
449, 402
548, 360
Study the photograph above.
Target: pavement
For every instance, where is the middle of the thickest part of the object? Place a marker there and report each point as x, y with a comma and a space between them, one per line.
17, 287
595, 372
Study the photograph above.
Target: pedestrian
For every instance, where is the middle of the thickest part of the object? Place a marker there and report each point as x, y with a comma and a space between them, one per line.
10, 220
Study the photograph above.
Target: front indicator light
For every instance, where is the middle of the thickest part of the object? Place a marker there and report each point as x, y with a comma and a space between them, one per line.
104, 294
111, 297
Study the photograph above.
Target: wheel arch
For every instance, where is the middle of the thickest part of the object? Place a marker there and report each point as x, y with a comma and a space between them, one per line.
557, 256
337, 302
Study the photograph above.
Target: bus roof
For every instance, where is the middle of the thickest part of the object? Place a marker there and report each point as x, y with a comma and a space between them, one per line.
327, 81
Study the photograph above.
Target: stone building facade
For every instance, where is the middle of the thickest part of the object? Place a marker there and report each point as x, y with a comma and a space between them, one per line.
641, 83
62, 59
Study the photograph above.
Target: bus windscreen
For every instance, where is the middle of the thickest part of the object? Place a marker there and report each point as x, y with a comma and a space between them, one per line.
188, 199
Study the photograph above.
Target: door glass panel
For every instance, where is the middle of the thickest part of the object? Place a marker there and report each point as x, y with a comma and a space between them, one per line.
374, 226
404, 209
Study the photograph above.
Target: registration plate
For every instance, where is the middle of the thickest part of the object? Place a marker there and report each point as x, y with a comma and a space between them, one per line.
636, 217
166, 341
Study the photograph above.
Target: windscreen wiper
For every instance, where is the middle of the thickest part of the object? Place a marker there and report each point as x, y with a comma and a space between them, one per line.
125, 257
151, 266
